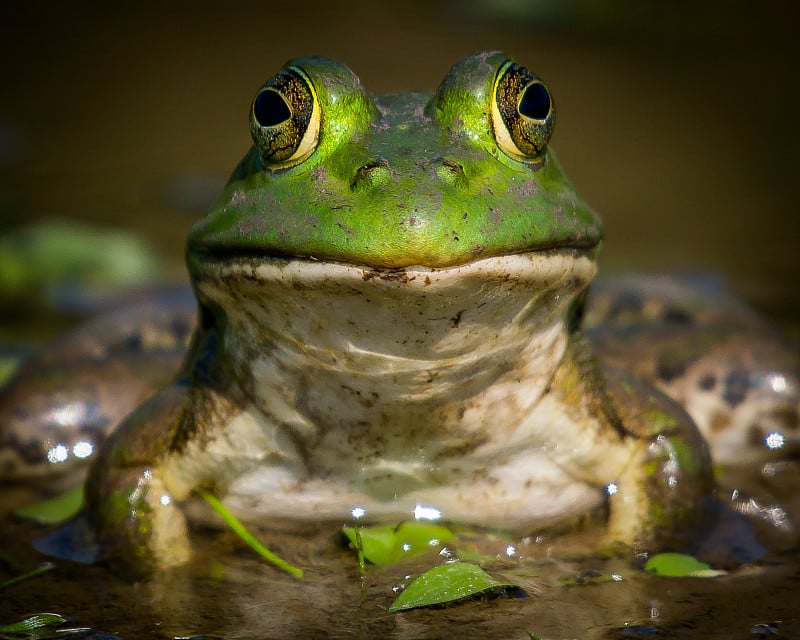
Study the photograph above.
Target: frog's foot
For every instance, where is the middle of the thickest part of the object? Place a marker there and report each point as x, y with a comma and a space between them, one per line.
137, 519
137, 522
663, 498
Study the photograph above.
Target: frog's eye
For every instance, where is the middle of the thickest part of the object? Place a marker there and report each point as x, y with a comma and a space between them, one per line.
284, 119
523, 114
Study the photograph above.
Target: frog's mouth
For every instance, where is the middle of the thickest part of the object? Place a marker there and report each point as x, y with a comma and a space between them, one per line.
413, 259
204, 258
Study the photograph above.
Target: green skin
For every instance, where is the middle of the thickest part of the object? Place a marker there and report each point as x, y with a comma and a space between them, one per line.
393, 186
495, 206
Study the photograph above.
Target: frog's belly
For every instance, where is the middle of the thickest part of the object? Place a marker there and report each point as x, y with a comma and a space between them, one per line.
525, 494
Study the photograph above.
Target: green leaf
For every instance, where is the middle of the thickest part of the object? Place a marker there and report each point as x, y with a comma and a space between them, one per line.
680, 565
389, 544
54, 510
447, 583
468, 554
240, 530
34, 622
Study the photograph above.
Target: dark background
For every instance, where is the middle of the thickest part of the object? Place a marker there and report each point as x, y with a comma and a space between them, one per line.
677, 121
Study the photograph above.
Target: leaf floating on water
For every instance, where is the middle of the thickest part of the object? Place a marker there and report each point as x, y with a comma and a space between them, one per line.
680, 565
54, 510
469, 554
448, 583
38, 621
389, 544
48, 626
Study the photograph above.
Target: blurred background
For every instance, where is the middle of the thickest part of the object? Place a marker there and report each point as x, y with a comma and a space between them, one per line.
677, 121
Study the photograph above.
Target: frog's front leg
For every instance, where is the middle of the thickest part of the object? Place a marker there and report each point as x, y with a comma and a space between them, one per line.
132, 502
638, 446
198, 432
662, 497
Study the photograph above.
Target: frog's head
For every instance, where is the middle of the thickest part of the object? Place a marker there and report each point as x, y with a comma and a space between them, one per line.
336, 175
434, 236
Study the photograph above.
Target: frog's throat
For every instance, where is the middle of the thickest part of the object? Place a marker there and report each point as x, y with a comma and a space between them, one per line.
338, 345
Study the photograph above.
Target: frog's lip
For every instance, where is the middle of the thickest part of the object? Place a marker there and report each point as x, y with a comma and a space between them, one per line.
219, 253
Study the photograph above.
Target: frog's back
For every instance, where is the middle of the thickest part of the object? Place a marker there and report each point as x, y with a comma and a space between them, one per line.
735, 374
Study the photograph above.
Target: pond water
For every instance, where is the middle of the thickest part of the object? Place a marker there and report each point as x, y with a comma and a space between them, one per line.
675, 123
228, 592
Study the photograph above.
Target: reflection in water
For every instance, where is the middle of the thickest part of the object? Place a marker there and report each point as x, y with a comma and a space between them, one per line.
774, 515
774, 441
60, 452
422, 512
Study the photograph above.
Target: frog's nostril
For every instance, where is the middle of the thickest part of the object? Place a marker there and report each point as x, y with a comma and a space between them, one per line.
451, 172
371, 174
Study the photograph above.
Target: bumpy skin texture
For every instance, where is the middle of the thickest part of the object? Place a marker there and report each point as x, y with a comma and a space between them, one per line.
387, 318
77, 390
735, 374
667, 482
399, 181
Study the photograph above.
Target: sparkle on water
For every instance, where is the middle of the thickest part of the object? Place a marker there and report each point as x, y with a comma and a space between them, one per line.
58, 454
358, 512
774, 440
422, 512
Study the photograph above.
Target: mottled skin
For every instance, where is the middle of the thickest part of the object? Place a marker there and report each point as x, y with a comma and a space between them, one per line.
735, 374
78, 389
386, 319
398, 181
389, 296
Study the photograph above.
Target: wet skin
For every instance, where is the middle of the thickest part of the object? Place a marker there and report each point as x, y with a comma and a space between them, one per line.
390, 293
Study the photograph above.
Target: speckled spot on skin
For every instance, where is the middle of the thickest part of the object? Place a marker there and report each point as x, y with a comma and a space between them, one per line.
707, 382
628, 302
677, 315
719, 421
668, 368
737, 385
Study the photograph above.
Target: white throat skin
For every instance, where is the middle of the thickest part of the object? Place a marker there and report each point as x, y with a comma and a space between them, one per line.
389, 383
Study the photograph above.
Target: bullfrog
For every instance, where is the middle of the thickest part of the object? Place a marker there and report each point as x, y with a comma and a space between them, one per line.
390, 296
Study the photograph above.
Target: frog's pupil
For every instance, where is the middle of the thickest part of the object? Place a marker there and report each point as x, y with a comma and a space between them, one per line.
271, 109
535, 102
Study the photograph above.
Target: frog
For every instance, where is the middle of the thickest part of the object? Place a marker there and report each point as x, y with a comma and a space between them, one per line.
390, 293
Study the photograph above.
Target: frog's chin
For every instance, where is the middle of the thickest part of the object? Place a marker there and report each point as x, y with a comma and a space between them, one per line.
416, 327
420, 313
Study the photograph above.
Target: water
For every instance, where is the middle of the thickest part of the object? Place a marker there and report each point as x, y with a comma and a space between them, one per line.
676, 124
228, 592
